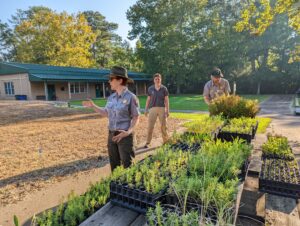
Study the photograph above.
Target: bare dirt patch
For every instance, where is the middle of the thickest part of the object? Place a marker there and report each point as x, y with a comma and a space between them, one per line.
42, 144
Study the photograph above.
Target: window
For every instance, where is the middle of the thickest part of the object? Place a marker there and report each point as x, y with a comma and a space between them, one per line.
78, 87
9, 88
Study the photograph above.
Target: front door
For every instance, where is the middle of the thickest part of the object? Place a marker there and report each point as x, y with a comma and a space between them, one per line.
98, 90
51, 92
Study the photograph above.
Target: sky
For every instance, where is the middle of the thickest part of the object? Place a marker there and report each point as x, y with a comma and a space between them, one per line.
113, 10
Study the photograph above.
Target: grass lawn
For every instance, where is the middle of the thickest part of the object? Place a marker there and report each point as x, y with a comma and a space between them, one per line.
179, 102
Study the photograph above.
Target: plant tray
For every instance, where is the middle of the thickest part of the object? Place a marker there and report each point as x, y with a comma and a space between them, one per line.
167, 209
186, 147
288, 158
171, 200
244, 170
278, 177
132, 198
228, 136
254, 130
213, 134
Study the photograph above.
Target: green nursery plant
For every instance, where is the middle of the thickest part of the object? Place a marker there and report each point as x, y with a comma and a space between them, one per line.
77, 208
154, 173
162, 217
205, 126
233, 106
16, 220
281, 170
277, 147
241, 125
212, 178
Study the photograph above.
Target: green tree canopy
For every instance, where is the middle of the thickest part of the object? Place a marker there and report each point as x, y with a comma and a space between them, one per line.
258, 15
57, 39
87, 39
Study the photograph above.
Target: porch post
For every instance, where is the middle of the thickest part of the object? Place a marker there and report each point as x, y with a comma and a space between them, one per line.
145, 88
136, 89
103, 88
69, 89
87, 90
46, 90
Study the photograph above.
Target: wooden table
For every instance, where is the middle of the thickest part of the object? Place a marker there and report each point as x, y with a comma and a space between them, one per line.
111, 215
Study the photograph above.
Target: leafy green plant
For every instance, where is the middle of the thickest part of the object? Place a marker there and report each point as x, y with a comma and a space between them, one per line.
281, 170
77, 208
160, 216
164, 217
241, 125
16, 220
277, 147
155, 173
233, 107
212, 178
205, 126
263, 124
221, 159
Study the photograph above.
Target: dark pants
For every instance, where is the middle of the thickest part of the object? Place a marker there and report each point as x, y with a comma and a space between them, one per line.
120, 153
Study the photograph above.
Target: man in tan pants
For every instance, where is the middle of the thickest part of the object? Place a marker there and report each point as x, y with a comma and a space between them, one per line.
157, 105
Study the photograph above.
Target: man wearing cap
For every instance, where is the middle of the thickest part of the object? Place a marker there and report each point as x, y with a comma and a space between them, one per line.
217, 86
122, 110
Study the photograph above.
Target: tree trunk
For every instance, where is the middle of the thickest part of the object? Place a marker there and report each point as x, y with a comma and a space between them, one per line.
258, 88
253, 65
178, 89
234, 88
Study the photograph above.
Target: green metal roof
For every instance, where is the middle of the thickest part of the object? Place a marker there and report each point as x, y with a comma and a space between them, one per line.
40, 72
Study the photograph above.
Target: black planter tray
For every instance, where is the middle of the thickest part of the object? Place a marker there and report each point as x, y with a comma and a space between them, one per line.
228, 136
278, 178
244, 170
254, 130
213, 134
166, 209
133, 198
186, 147
171, 201
287, 158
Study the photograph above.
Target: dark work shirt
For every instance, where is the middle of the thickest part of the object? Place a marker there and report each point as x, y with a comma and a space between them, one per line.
157, 97
121, 109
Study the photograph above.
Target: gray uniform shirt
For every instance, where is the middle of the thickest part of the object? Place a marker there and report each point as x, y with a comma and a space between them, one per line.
212, 90
157, 97
121, 109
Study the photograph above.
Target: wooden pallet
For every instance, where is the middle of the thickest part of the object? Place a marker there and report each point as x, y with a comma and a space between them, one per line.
110, 215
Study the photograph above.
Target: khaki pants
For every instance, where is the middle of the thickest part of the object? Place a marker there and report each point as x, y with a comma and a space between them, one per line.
155, 112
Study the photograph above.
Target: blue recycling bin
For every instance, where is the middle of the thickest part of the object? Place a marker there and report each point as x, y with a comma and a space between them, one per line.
21, 97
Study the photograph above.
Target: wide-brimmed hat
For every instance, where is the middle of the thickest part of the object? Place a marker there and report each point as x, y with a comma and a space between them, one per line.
120, 72
217, 73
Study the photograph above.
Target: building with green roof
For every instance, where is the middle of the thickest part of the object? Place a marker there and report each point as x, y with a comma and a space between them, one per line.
45, 82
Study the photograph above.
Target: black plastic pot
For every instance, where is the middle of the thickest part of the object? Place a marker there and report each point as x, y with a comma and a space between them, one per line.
228, 136
132, 198
283, 184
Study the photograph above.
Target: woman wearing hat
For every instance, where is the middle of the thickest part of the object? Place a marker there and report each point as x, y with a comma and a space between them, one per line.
122, 110
217, 86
